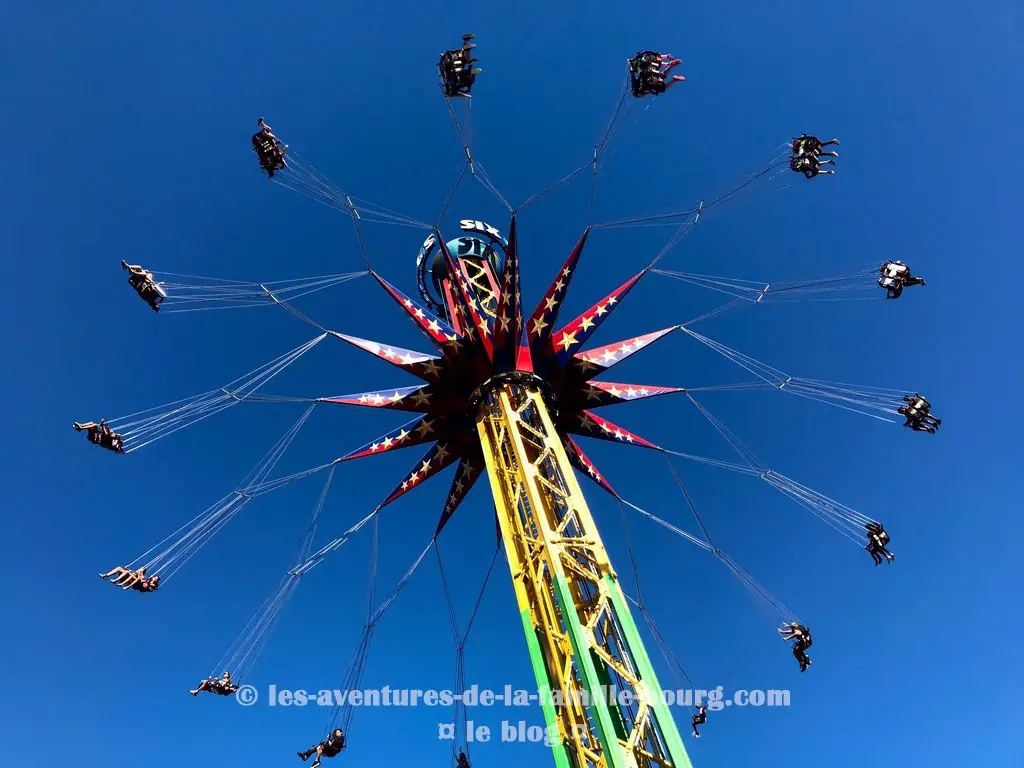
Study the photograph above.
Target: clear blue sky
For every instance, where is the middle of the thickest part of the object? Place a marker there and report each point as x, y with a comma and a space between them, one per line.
127, 134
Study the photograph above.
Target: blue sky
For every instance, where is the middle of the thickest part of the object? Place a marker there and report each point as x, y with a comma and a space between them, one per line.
128, 137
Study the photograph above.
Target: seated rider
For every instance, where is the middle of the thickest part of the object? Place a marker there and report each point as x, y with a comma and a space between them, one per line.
699, 719
877, 539
329, 747
129, 579
142, 281
124, 577
268, 149
648, 71
918, 413
457, 72
801, 636
897, 270
222, 686
812, 145
102, 435
893, 286
809, 165
462, 761
149, 584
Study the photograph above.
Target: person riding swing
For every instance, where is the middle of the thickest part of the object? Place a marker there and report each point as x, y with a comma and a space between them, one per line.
268, 149
699, 719
142, 282
220, 686
102, 435
877, 539
801, 636
332, 746
457, 71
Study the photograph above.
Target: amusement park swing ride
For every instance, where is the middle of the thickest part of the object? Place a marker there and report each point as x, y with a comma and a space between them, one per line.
506, 392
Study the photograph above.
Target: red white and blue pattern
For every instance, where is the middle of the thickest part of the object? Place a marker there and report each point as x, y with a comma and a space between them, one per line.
415, 398
418, 364
482, 348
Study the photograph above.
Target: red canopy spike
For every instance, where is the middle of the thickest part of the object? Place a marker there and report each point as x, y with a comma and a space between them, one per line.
424, 366
433, 461
475, 326
418, 398
586, 467
542, 321
422, 430
598, 394
591, 425
573, 336
509, 321
436, 329
600, 359
467, 473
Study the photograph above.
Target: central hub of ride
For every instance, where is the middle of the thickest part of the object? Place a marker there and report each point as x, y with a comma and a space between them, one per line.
515, 378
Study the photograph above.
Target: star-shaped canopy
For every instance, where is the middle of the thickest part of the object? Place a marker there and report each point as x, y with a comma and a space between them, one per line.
478, 346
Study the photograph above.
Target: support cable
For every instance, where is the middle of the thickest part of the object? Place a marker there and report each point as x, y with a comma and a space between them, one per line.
459, 707
451, 196
242, 655
165, 558
141, 428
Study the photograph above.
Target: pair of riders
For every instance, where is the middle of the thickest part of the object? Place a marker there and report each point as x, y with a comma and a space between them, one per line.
457, 71
102, 435
649, 71
806, 153
142, 281
269, 150
221, 686
895, 276
918, 413
137, 580
801, 636
877, 539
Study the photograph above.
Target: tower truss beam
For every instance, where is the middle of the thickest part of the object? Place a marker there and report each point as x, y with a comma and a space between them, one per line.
601, 699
